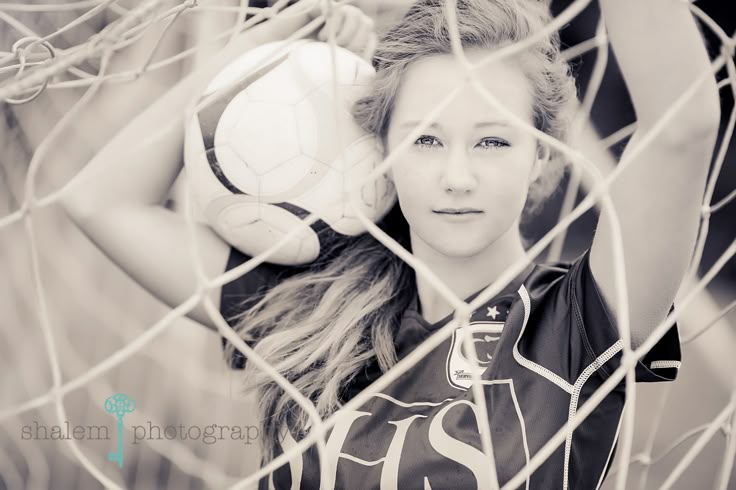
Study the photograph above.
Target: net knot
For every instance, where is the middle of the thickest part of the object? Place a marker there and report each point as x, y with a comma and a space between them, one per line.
728, 47
706, 211
189, 4
20, 50
268, 12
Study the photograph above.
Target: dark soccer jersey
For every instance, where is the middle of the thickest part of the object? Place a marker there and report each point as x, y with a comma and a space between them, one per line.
543, 346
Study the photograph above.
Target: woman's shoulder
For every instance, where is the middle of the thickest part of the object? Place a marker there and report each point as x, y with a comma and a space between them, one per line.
563, 305
546, 275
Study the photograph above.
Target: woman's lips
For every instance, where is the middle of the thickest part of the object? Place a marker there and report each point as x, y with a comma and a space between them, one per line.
458, 215
457, 211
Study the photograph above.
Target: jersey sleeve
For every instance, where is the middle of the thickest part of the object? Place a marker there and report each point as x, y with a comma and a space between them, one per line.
242, 293
599, 333
571, 332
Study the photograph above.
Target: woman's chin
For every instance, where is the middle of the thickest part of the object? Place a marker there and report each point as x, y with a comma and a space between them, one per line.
458, 248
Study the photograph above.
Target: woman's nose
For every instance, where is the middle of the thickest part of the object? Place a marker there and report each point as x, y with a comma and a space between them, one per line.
458, 175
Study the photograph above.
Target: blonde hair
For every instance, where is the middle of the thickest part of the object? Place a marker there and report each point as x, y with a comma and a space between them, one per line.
323, 327
482, 24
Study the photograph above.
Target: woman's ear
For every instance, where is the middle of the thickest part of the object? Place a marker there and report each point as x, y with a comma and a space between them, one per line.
540, 161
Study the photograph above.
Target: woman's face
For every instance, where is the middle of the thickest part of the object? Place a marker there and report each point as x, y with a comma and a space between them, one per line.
463, 183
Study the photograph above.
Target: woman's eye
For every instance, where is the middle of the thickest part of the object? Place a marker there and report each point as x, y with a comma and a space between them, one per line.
491, 143
428, 142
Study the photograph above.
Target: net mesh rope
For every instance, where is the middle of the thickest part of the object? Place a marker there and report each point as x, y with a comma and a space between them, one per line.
38, 64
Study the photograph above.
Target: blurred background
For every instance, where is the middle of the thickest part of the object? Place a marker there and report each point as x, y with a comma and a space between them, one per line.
179, 377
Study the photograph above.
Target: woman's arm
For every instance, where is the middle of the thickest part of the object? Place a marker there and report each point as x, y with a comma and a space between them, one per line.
658, 197
117, 199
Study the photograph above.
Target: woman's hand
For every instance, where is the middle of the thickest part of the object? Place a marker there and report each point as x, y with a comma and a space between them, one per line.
348, 26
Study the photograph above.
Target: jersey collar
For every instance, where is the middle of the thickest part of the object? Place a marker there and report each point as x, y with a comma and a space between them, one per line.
507, 293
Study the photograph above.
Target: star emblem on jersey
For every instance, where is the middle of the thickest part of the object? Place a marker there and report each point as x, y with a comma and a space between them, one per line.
492, 312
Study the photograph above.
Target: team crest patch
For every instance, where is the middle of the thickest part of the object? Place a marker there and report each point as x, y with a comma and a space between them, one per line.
485, 336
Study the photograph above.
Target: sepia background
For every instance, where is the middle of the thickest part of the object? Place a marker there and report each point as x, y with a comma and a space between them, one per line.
179, 377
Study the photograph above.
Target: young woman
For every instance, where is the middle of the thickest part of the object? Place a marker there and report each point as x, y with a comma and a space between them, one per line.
543, 345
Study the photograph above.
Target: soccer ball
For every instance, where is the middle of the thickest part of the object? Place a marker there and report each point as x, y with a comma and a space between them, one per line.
273, 142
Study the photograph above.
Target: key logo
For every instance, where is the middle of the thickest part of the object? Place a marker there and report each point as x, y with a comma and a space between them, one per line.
118, 405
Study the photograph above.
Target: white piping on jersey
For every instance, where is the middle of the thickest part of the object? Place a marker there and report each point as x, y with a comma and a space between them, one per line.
362, 461
610, 452
411, 404
522, 424
584, 376
523, 427
665, 364
531, 365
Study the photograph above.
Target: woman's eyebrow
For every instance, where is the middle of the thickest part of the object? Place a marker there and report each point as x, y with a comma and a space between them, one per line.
483, 124
486, 124
411, 124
